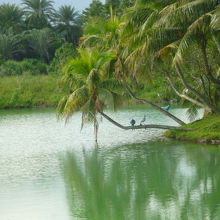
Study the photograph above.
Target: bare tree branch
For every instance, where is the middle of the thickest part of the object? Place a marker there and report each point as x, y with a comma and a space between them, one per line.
166, 127
196, 93
144, 101
194, 101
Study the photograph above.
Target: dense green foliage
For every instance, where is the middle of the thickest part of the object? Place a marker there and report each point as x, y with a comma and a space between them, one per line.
36, 30
36, 39
62, 55
25, 67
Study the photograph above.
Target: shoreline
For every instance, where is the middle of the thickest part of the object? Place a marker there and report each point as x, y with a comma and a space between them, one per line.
206, 131
198, 141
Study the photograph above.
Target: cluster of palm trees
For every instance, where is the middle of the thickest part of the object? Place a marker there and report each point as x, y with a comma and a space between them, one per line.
36, 30
176, 39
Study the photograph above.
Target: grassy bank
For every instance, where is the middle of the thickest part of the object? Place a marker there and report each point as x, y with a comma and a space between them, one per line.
29, 91
206, 131
44, 91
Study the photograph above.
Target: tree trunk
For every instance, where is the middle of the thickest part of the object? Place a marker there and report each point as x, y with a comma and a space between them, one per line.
196, 93
144, 101
166, 127
207, 67
217, 42
185, 96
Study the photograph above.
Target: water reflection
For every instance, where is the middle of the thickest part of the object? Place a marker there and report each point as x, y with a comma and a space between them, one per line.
143, 182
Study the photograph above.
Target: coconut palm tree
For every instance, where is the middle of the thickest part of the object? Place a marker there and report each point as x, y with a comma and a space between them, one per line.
104, 34
194, 18
67, 15
11, 17
91, 86
9, 46
110, 35
41, 41
68, 23
95, 9
193, 21
169, 32
38, 12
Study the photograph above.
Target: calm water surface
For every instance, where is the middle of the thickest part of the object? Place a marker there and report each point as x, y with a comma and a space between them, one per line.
52, 171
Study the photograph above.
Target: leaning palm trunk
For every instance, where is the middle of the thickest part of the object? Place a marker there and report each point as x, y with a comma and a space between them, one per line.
201, 97
166, 127
194, 101
144, 101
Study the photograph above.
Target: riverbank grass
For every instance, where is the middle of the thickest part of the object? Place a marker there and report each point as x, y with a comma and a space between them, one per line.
29, 92
205, 131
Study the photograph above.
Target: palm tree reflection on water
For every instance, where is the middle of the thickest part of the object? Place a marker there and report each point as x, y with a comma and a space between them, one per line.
138, 183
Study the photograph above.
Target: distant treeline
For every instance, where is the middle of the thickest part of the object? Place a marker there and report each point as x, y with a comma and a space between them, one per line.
37, 34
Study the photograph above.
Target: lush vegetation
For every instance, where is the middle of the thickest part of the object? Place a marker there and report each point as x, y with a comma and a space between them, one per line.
36, 39
29, 91
124, 47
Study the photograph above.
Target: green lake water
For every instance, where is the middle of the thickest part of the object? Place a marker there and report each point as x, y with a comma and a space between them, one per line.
52, 171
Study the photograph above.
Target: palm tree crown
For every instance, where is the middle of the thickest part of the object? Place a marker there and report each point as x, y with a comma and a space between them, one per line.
67, 15
38, 12
11, 16
68, 23
91, 86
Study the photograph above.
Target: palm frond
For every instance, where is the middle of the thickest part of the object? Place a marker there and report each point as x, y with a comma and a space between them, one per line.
192, 113
72, 103
186, 12
197, 28
215, 23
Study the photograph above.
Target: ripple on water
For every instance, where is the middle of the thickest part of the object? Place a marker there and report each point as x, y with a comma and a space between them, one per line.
33, 149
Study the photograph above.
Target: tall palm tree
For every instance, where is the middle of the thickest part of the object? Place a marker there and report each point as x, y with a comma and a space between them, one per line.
110, 34
104, 34
67, 15
68, 23
9, 46
194, 18
11, 16
38, 12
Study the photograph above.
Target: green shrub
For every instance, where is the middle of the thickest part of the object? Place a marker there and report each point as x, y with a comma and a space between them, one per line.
34, 66
25, 67
62, 54
10, 68
32, 91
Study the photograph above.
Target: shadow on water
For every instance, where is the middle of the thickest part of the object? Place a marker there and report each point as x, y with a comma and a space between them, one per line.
147, 181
